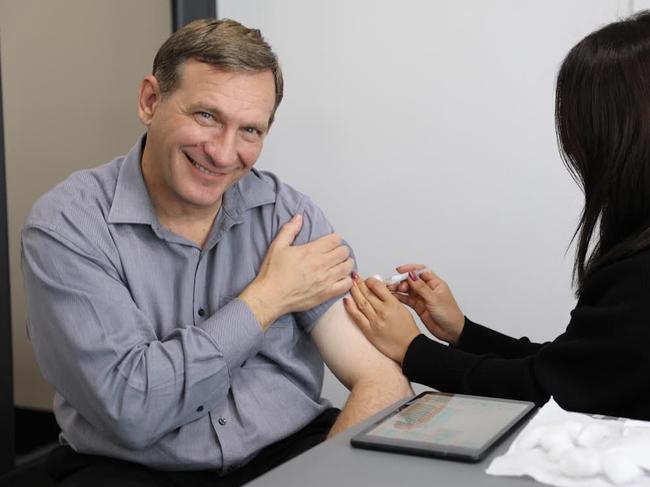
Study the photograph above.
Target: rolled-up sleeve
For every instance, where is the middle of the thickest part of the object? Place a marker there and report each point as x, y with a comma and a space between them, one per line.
102, 354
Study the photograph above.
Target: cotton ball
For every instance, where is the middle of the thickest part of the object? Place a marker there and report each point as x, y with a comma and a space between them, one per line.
532, 438
559, 450
593, 434
553, 436
620, 469
636, 445
574, 428
581, 462
555, 440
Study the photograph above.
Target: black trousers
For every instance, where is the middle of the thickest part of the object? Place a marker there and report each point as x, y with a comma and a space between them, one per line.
64, 467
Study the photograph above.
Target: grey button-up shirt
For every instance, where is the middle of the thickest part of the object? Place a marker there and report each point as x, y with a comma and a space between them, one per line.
153, 357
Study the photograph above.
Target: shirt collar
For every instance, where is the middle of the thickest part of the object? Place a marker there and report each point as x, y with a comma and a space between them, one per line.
249, 192
131, 203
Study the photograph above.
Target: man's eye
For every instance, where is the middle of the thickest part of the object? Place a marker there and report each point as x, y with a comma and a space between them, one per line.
205, 115
252, 131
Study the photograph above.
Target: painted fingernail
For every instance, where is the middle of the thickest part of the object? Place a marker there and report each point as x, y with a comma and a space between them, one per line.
355, 276
345, 301
413, 276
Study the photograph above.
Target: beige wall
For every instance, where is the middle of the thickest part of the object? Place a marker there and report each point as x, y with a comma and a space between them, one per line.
70, 74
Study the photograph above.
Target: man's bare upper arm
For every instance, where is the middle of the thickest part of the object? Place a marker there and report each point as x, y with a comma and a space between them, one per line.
346, 351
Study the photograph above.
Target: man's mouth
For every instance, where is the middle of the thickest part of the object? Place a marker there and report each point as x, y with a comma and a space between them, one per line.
200, 167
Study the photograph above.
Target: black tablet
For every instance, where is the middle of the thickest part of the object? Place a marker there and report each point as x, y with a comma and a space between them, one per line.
437, 424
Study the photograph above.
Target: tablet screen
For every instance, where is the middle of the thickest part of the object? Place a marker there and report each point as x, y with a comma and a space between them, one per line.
442, 424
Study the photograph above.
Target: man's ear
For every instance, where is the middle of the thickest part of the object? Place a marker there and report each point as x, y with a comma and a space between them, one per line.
148, 99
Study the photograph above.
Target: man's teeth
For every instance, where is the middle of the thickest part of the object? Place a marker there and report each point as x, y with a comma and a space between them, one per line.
202, 169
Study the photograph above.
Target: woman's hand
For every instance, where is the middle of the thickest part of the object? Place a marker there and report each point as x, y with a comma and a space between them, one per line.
387, 324
433, 301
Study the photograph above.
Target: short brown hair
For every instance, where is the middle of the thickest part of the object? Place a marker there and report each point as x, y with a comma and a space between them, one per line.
224, 44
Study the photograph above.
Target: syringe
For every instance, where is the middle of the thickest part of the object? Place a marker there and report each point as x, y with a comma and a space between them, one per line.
397, 278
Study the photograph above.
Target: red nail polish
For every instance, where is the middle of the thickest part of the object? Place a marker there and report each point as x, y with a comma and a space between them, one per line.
413, 276
355, 276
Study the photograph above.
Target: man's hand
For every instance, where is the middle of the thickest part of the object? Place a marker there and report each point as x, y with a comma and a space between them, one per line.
298, 277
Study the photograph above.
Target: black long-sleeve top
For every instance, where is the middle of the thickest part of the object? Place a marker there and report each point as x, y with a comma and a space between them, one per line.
600, 364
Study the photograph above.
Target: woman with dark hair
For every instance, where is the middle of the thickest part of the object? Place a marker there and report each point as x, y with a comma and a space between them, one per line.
601, 363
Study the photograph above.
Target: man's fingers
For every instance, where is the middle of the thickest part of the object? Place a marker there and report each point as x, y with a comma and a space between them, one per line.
321, 245
326, 243
341, 286
288, 232
334, 257
343, 270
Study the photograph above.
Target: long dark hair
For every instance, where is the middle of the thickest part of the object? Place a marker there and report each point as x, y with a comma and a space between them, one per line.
602, 117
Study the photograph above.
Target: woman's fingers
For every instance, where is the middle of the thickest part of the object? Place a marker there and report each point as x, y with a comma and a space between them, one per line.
409, 268
357, 316
370, 296
415, 303
406, 299
379, 289
421, 288
402, 287
429, 277
359, 293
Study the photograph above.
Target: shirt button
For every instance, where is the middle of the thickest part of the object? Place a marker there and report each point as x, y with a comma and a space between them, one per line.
199, 409
222, 421
201, 312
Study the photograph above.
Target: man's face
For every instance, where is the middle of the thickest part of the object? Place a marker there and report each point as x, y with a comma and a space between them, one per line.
205, 135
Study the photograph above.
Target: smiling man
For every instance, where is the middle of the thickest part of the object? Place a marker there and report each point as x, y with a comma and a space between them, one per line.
182, 303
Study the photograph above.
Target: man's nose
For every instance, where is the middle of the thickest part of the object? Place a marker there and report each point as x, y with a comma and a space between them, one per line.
222, 149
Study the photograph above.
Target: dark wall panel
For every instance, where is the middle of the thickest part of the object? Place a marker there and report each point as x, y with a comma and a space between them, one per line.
6, 368
184, 11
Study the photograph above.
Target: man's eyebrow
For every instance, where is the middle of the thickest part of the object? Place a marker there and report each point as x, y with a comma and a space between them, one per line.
205, 107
